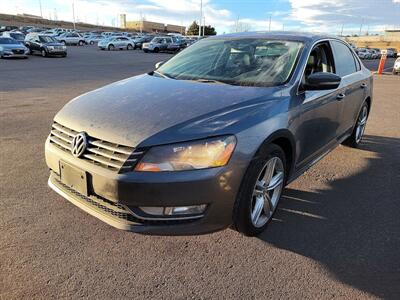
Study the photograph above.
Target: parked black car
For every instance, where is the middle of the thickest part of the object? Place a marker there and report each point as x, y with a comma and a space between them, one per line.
45, 45
142, 39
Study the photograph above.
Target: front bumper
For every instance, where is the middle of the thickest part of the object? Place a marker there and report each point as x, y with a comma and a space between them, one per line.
13, 55
56, 52
114, 197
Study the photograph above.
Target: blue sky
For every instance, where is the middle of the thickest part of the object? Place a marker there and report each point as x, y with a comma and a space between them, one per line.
227, 15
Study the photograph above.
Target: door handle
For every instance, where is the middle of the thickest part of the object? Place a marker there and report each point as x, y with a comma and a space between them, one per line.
363, 85
340, 96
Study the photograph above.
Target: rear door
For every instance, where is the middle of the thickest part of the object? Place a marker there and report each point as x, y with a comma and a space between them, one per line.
354, 83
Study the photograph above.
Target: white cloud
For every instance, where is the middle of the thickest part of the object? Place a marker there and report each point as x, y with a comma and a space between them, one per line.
327, 14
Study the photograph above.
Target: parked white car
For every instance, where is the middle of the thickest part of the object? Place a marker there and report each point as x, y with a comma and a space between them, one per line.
116, 43
363, 53
71, 38
396, 67
93, 39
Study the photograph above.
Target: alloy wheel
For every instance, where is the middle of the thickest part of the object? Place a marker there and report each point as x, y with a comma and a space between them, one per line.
361, 123
267, 191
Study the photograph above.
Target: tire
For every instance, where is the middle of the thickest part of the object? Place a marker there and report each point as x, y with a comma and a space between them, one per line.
63, 42
145, 50
91, 43
43, 53
249, 196
80, 43
64, 55
156, 50
358, 131
111, 47
129, 47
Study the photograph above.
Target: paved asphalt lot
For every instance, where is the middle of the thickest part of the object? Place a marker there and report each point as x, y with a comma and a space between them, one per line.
336, 233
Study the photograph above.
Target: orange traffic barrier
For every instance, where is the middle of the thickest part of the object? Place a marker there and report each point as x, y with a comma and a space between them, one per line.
382, 62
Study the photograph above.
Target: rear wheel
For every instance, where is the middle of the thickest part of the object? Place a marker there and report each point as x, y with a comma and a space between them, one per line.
91, 43
359, 129
130, 47
156, 50
260, 191
111, 47
80, 43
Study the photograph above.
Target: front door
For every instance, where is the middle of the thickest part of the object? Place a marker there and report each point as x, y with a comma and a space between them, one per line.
320, 110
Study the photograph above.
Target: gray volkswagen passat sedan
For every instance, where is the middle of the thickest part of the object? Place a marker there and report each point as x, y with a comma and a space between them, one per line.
210, 138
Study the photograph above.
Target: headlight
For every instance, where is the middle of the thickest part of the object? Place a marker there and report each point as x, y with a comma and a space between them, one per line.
201, 154
50, 47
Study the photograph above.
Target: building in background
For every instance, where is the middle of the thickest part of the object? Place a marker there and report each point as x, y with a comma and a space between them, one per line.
122, 20
147, 26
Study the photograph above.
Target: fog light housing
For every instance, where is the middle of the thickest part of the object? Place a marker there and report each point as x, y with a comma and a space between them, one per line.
174, 211
184, 210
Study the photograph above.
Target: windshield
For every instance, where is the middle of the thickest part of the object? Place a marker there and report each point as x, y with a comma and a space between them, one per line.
247, 62
47, 39
8, 41
17, 36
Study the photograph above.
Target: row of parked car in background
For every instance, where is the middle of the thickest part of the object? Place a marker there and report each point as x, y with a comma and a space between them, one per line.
374, 53
21, 41
18, 42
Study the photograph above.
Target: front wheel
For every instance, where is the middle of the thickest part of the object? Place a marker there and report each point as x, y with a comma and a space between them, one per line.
359, 129
44, 53
130, 47
111, 47
91, 43
260, 191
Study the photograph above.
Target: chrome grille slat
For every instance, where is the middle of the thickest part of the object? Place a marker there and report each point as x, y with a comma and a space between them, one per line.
109, 146
60, 143
103, 161
108, 155
62, 136
115, 156
64, 130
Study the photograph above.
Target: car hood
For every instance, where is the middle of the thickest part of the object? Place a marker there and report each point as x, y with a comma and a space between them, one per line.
53, 44
133, 110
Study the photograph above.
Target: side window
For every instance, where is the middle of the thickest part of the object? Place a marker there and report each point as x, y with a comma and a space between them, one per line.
320, 60
344, 60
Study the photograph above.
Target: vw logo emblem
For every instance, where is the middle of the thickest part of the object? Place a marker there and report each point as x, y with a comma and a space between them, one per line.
79, 144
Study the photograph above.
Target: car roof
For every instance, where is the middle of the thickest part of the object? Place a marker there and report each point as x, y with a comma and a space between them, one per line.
284, 35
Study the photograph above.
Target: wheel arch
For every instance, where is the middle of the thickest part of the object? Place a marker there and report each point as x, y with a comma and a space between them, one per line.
284, 139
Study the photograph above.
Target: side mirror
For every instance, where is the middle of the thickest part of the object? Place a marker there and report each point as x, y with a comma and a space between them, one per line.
322, 81
159, 64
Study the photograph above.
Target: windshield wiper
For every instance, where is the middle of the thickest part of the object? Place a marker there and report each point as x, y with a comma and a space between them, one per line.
163, 75
209, 81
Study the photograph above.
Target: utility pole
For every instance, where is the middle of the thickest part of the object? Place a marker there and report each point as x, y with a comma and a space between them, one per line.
40, 5
204, 26
362, 21
73, 13
269, 26
341, 31
201, 16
